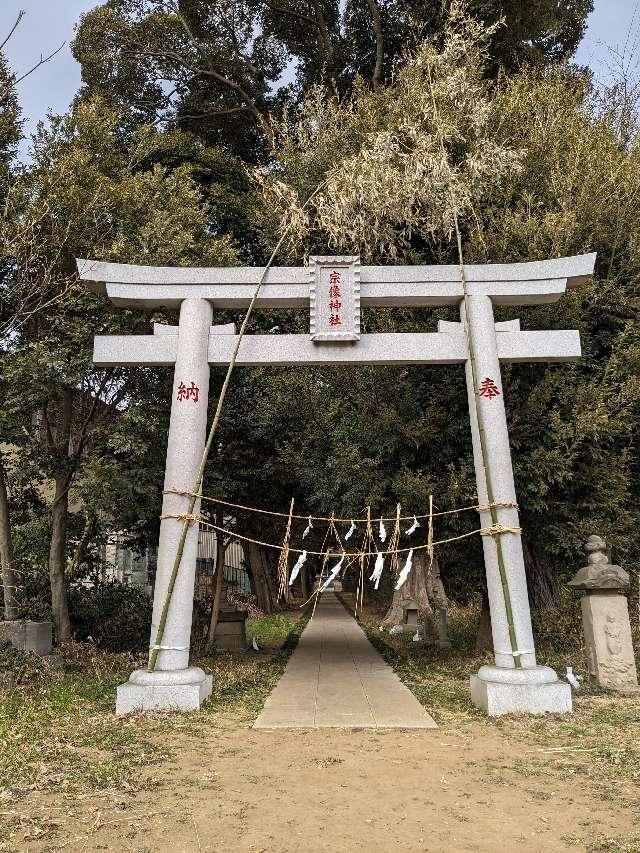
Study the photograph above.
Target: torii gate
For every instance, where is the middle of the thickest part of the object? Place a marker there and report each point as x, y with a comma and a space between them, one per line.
335, 339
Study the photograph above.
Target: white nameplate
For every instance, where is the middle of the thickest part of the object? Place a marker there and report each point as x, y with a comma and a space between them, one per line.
334, 290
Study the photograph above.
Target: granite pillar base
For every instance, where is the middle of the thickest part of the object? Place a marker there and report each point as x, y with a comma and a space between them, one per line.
536, 690
164, 690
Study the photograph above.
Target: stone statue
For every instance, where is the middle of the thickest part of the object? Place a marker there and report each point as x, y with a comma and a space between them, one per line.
599, 573
605, 619
613, 634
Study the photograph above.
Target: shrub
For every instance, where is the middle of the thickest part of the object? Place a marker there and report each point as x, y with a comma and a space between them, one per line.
116, 616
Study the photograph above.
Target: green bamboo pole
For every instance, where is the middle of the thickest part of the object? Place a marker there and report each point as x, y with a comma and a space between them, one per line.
197, 489
504, 580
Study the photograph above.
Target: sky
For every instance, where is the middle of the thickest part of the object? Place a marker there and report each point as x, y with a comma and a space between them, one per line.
613, 25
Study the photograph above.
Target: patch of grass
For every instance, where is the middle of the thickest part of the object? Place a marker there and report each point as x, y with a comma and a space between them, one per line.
273, 629
63, 733
631, 844
600, 740
59, 730
241, 683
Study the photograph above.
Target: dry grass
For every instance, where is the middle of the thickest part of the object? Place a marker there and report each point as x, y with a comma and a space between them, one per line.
58, 730
599, 742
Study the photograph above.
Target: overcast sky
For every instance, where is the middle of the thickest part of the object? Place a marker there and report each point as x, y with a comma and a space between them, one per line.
614, 24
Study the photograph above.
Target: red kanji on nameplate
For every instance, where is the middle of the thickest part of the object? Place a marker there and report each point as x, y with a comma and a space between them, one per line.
188, 392
334, 295
489, 389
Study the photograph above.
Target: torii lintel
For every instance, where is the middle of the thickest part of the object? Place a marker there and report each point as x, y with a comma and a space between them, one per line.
288, 287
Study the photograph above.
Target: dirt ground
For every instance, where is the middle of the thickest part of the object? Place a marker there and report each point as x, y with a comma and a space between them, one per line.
235, 789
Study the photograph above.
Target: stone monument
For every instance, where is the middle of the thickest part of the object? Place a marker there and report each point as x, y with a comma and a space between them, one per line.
605, 619
332, 290
27, 636
230, 633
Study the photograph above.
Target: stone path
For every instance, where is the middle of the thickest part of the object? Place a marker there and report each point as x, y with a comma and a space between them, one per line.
336, 679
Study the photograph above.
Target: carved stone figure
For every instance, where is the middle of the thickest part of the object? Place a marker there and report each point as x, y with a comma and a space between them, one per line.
605, 619
612, 630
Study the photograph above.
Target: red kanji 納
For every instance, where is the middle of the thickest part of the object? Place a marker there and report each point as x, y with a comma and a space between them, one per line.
191, 392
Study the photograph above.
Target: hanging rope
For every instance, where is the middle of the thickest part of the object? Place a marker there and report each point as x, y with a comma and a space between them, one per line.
494, 530
307, 517
325, 559
366, 544
393, 544
430, 535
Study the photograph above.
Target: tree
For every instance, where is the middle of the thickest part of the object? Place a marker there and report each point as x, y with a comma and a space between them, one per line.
561, 178
225, 60
86, 195
10, 135
535, 165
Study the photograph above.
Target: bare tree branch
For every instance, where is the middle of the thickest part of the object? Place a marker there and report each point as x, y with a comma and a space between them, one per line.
210, 113
214, 74
225, 81
325, 38
318, 22
21, 15
300, 16
42, 61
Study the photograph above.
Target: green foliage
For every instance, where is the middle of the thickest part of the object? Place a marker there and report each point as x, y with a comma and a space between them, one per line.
572, 188
224, 60
115, 616
91, 191
387, 184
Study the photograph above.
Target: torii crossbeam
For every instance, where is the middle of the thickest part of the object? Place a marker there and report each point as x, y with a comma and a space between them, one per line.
333, 289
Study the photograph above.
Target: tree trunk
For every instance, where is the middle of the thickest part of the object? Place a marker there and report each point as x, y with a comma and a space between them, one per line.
539, 579
304, 583
221, 550
270, 579
59, 519
416, 588
259, 571
57, 552
9, 584
484, 637
81, 550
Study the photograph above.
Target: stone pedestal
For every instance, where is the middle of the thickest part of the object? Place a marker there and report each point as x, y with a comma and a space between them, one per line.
230, 631
607, 634
535, 690
605, 620
29, 636
179, 690
443, 633
410, 616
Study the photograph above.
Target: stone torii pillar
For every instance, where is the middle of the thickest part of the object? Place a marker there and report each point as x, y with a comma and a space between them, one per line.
502, 688
335, 339
174, 683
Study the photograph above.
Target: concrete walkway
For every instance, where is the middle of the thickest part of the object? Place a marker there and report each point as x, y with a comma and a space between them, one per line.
336, 679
